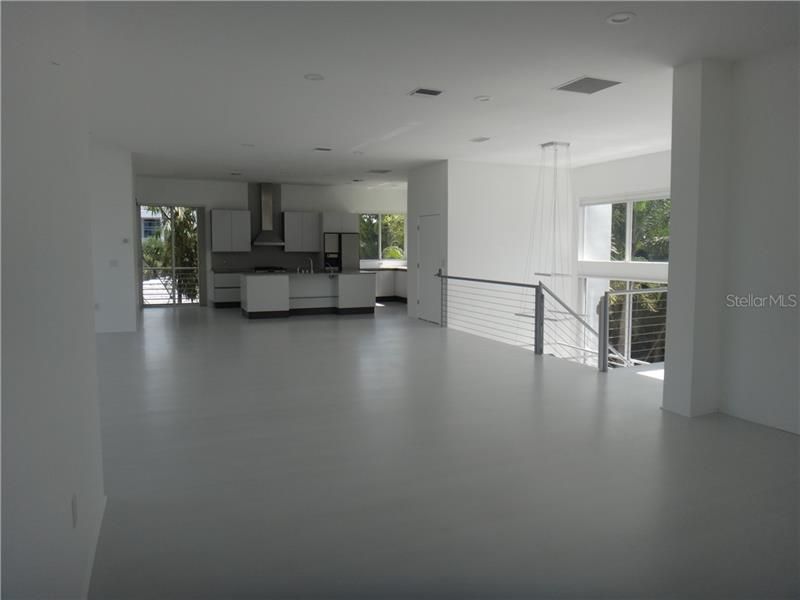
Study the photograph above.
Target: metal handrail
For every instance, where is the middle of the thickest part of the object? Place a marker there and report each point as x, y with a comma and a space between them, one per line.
634, 292
605, 351
493, 281
567, 308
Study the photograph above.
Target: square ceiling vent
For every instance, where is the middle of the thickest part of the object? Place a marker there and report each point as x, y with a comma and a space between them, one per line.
587, 85
427, 92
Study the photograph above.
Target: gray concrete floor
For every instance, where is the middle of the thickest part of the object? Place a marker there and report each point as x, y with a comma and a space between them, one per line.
360, 457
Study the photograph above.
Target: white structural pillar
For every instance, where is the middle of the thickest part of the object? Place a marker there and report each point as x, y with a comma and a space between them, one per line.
701, 136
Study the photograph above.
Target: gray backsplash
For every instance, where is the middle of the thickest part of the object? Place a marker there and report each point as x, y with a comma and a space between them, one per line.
264, 256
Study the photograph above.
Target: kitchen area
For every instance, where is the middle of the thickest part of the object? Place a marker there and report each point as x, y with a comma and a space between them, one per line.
272, 263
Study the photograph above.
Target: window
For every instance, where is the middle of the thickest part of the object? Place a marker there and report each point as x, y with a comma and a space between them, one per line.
635, 230
650, 231
150, 227
383, 237
369, 232
393, 237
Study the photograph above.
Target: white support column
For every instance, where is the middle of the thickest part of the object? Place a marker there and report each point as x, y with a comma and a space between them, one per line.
701, 126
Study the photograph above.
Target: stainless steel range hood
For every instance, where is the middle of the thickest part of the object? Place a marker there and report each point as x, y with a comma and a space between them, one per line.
268, 217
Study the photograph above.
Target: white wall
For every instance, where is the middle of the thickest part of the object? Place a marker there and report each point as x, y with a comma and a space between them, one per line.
701, 137
634, 177
490, 219
51, 439
191, 192
734, 231
356, 198
114, 231
760, 346
427, 195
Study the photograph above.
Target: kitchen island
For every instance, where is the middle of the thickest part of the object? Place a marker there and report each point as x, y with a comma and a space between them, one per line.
270, 295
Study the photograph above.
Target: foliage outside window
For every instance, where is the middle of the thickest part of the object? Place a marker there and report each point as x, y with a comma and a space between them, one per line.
650, 231
393, 237
171, 255
369, 231
638, 323
382, 237
627, 231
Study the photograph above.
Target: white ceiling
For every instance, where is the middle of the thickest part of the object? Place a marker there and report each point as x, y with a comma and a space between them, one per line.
184, 85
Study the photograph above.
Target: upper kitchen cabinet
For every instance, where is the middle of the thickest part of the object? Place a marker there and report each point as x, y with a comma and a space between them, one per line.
230, 230
339, 222
301, 231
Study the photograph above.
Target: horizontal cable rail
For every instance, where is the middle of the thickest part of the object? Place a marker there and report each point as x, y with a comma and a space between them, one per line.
170, 285
635, 322
631, 331
503, 311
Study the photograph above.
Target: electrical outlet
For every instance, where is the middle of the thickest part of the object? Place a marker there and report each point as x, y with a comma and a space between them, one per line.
74, 511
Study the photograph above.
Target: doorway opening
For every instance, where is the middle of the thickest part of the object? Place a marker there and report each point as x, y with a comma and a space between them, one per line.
170, 273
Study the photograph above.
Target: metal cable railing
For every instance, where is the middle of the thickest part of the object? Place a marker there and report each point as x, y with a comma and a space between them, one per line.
526, 315
635, 322
504, 311
170, 285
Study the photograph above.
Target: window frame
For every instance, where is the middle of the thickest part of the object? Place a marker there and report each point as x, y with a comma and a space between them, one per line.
386, 262
629, 200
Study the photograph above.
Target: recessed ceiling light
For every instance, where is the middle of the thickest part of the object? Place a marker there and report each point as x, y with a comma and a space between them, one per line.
322, 149
313, 77
480, 140
482, 98
620, 18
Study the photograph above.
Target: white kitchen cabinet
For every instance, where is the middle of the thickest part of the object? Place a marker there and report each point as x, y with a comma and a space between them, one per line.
240, 231
301, 231
339, 222
230, 230
226, 288
356, 292
401, 284
384, 284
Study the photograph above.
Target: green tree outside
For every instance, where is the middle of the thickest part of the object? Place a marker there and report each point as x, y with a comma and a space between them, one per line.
178, 227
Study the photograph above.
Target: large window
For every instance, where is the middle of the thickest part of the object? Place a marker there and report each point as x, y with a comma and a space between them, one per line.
634, 230
383, 237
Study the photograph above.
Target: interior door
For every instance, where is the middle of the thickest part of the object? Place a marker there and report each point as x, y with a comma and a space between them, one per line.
429, 287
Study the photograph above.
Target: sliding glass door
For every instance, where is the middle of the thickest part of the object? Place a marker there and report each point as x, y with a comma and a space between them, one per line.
169, 255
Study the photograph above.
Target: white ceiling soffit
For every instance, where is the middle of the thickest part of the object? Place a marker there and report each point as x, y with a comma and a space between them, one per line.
206, 89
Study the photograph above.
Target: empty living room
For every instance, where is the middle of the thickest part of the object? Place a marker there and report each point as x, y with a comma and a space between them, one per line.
433, 300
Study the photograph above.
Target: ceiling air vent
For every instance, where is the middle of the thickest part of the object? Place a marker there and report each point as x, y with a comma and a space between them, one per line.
380, 171
426, 92
587, 85
322, 149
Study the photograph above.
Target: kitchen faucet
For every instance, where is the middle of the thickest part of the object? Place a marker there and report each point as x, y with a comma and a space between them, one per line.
311, 264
